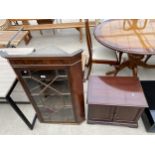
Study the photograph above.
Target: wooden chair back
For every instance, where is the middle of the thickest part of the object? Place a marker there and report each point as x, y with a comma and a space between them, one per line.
90, 51
89, 41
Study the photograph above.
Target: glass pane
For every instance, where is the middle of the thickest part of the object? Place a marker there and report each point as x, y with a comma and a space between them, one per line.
51, 93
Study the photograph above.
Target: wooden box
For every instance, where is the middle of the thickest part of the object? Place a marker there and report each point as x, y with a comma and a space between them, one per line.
115, 100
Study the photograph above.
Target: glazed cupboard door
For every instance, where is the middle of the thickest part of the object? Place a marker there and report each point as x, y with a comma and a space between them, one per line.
50, 92
100, 113
126, 114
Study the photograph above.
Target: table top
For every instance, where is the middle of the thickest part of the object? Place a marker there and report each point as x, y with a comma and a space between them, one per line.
116, 91
130, 36
5, 37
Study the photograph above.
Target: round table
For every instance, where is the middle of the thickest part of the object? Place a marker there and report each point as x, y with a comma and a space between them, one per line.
132, 36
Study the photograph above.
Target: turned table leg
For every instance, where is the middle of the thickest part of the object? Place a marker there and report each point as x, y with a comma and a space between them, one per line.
133, 62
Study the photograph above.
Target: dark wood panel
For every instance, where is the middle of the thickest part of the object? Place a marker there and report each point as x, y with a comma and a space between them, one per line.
119, 91
100, 113
76, 84
38, 73
115, 100
127, 114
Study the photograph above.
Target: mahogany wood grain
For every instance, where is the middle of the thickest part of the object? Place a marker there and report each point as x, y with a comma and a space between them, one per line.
115, 100
120, 91
69, 62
